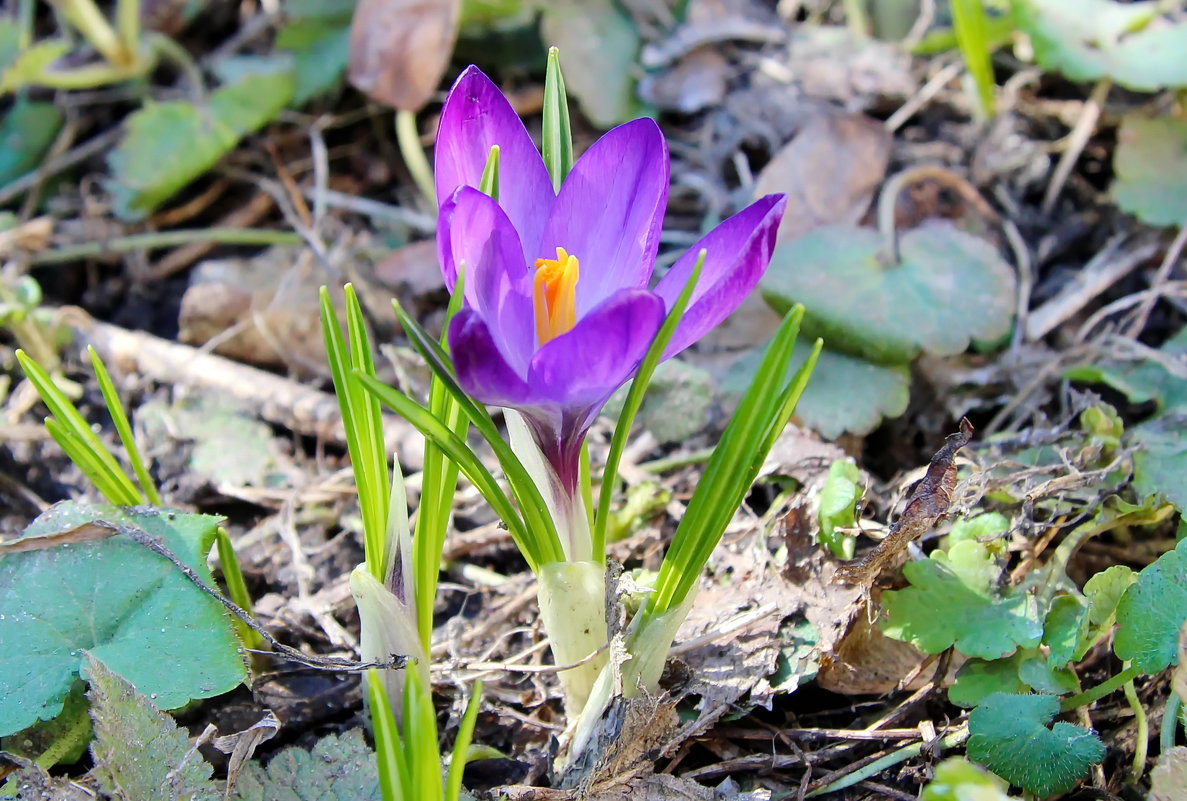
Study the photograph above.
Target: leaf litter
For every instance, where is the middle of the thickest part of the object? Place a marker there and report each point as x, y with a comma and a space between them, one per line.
774, 625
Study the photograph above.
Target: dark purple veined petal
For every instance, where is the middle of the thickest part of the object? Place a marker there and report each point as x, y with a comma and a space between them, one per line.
474, 230
610, 210
475, 117
737, 254
583, 367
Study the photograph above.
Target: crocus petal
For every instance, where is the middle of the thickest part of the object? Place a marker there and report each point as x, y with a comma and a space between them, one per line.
475, 117
481, 369
582, 368
474, 230
737, 253
610, 210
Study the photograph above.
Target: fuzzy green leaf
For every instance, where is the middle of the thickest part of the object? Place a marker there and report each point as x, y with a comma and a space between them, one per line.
1105, 590
1160, 459
338, 768
1152, 612
140, 753
1065, 625
949, 289
116, 599
953, 601
1009, 735
167, 145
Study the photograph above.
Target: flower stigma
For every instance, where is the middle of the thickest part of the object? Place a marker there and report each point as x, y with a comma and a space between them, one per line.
555, 292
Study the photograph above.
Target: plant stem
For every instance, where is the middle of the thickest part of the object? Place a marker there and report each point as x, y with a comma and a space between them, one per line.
166, 239
890, 760
1141, 747
1107, 686
408, 140
1170, 719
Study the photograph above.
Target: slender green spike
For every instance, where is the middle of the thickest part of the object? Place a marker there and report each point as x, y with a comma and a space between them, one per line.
634, 400
120, 419
530, 542
972, 36
394, 781
729, 473
544, 537
461, 744
236, 588
98, 463
557, 139
490, 174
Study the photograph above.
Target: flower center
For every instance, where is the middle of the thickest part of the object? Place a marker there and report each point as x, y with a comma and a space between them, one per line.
555, 292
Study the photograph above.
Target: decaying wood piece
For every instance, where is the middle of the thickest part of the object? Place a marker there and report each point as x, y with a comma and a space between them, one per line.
928, 503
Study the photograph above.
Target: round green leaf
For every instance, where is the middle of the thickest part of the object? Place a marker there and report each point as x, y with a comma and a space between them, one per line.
979, 679
953, 601
131, 608
1091, 39
1160, 459
1009, 735
1152, 612
948, 289
1151, 167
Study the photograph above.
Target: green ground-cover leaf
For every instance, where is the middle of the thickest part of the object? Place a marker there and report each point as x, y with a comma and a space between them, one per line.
167, 145
31, 62
140, 753
1088, 40
949, 289
26, 132
846, 394
677, 403
1064, 628
320, 49
1160, 459
1144, 380
987, 528
1152, 612
1151, 167
978, 679
838, 507
339, 768
953, 600
957, 779
1009, 735
119, 601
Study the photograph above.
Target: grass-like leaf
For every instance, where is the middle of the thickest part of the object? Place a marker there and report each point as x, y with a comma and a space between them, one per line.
542, 540
634, 400
81, 444
972, 36
730, 472
120, 419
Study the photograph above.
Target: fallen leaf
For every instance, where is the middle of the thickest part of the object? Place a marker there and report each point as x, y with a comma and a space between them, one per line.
696, 82
399, 49
1168, 780
1151, 166
829, 172
928, 504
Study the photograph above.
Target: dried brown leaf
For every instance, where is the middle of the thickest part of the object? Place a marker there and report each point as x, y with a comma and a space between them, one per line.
928, 503
399, 49
829, 172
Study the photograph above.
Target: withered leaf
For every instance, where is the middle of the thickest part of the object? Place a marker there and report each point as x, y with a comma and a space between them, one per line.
829, 172
928, 503
399, 49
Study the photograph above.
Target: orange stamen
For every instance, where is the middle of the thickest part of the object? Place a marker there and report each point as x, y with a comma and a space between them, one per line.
555, 293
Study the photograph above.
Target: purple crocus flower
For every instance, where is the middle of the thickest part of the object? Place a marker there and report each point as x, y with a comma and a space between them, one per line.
558, 311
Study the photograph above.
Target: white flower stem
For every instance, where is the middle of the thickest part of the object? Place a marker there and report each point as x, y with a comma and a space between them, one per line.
572, 599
